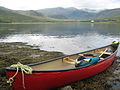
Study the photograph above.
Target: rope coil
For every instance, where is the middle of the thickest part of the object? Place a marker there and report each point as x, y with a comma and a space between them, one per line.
24, 69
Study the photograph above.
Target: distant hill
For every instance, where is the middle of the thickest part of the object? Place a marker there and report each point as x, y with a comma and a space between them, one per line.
3, 8
30, 13
109, 13
73, 13
80, 14
57, 11
66, 13
57, 14
7, 15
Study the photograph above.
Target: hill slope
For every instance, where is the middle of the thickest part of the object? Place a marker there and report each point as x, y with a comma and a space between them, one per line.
57, 14
30, 13
66, 13
7, 15
109, 13
73, 13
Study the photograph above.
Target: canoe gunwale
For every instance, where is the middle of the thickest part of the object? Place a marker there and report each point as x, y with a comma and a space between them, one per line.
54, 59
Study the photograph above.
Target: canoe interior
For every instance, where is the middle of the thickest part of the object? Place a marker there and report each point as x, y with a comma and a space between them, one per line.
61, 64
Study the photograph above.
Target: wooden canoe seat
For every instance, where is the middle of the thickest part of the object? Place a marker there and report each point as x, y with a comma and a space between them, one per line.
68, 60
81, 54
104, 54
109, 53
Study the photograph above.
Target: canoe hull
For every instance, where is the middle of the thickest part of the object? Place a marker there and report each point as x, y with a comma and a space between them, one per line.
47, 80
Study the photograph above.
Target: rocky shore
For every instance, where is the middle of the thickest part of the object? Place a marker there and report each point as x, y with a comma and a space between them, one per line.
11, 53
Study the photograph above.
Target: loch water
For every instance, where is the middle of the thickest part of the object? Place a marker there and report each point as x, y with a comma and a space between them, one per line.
64, 37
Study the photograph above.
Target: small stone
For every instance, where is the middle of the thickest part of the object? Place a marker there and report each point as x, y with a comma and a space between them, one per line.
66, 88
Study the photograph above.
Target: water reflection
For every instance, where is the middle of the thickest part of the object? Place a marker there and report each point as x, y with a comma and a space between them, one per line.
64, 37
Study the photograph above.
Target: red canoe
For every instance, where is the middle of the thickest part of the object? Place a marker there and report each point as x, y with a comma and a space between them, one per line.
63, 70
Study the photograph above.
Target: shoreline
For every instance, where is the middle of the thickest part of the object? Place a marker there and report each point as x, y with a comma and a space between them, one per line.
61, 21
11, 53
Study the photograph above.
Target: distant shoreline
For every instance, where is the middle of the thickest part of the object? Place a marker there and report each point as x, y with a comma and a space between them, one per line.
52, 22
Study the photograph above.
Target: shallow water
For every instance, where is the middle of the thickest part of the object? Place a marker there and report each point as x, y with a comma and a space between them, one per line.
68, 38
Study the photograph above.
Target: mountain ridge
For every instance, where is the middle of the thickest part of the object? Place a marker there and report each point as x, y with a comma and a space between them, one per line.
70, 13
56, 14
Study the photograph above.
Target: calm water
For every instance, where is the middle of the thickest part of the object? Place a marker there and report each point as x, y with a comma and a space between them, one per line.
64, 37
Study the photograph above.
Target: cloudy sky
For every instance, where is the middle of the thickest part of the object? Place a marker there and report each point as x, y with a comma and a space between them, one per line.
40, 4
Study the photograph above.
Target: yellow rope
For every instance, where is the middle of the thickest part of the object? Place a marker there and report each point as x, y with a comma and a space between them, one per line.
24, 69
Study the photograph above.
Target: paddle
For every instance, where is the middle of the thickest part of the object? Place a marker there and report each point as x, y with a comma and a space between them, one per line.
103, 52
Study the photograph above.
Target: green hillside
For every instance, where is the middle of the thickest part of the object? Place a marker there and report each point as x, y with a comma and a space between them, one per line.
30, 13
7, 15
59, 15
109, 13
